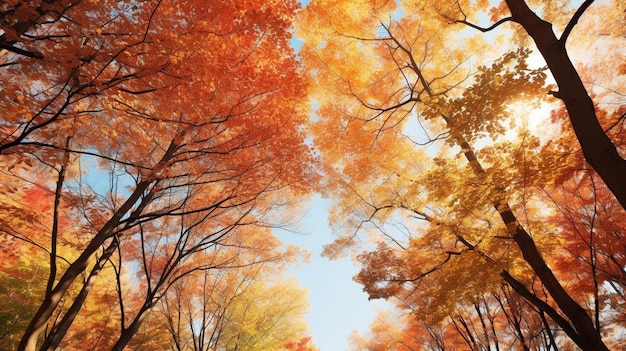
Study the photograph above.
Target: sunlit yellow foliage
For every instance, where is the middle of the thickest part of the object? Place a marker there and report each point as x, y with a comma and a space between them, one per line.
266, 316
433, 122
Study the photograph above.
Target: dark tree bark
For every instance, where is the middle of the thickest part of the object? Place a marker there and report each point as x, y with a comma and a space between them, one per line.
585, 335
599, 150
53, 296
54, 337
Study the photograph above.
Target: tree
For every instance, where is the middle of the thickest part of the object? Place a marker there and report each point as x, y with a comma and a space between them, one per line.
18, 290
500, 321
195, 300
265, 317
144, 122
214, 320
590, 225
304, 344
391, 80
598, 149
195, 308
20, 17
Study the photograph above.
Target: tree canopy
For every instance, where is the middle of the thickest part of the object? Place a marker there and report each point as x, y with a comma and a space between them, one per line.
474, 151
143, 143
451, 132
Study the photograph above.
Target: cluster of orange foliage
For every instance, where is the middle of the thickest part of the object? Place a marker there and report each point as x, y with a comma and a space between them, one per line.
147, 149
491, 222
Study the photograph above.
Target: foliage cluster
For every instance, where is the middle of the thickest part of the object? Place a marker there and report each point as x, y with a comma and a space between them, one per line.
489, 187
148, 149
475, 151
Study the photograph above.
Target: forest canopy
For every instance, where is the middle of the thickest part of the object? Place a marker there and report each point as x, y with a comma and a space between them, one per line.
474, 153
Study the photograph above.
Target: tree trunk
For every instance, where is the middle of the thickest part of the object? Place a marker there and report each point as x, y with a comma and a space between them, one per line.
589, 338
586, 336
598, 149
53, 339
128, 333
51, 302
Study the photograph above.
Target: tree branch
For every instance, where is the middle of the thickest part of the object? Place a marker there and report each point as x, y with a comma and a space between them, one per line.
541, 305
16, 50
574, 20
485, 29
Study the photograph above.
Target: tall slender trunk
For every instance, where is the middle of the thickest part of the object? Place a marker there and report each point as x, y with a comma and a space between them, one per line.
127, 333
586, 335
53, 297
598, 149
53, 339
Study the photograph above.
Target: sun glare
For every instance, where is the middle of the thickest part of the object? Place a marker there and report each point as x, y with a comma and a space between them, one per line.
533, 119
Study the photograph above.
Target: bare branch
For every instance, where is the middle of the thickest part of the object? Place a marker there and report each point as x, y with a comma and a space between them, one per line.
16, 50
574, 20
485, 29
83, 152
469, 24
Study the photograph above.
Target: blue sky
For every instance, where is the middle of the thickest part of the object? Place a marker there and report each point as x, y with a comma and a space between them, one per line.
338, 304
